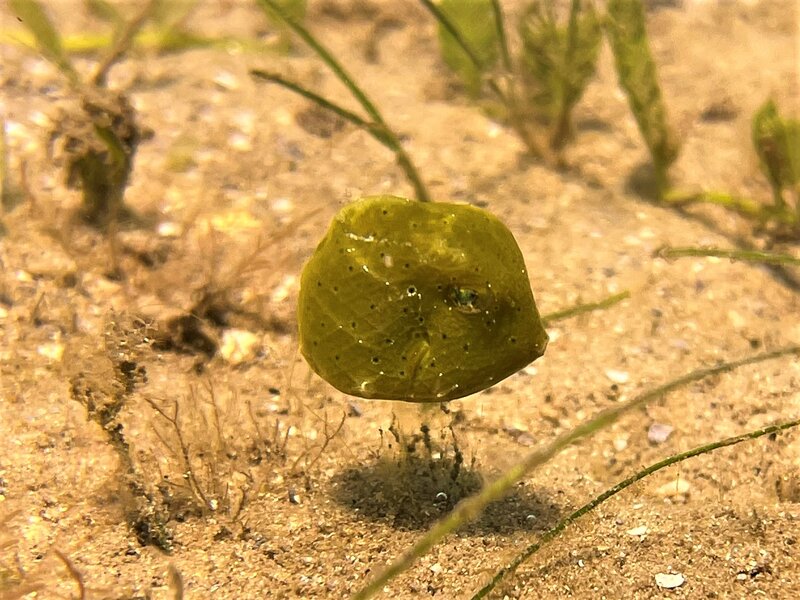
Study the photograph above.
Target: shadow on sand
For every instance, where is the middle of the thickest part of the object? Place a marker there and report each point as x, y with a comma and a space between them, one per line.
412, 491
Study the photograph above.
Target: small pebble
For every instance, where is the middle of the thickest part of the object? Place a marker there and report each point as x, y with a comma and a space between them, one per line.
620, 443
679, 344
617, 376
53, 351
669, 581
240, 142
239, 345
672, 489
283, 206
436, 568
284, 288
526, 439
638, 531
226, 80
658, 433
169, 229
519, 434
737, 321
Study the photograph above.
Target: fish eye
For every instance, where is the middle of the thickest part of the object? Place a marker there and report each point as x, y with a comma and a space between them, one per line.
465, 299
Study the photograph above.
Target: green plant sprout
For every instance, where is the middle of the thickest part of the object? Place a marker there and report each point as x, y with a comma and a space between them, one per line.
559, 527
471, 507
98, 140
557, 62
626, 31
776, 141
374, 124
538, 90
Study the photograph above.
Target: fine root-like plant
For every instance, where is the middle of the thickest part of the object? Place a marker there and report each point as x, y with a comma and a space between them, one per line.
373, 123
219, 297
216, 450
199, 451
213, 445
104, 387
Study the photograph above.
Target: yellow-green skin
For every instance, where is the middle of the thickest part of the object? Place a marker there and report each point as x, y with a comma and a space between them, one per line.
423, 302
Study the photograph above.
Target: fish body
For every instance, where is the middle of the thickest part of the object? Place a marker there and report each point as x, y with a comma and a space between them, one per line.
422, 302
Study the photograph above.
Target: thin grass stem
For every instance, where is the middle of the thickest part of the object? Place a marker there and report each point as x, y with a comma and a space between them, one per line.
580, 309
123, 42
508, 97
165, 40
756, 256
500, 24
557, 529
314, 97
454, 31
45, 36
470, 508
468, 50
76, 575
403, 159
746, 207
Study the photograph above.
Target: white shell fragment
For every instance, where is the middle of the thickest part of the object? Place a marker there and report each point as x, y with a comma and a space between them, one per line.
658, 433
640, 531
669, 581
53, 351
617, 376
673, 489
